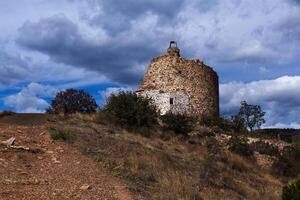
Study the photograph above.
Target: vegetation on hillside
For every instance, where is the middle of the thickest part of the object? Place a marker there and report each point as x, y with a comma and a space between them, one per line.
239, 145
265, 148
165, 165
6, 112
160, 167
72, 101
286, 134
291, 191
179, 123
251, 115
59, 135
287, 163
130, 110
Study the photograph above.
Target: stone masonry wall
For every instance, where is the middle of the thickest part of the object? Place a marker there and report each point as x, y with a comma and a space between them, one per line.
172, 74
180, 101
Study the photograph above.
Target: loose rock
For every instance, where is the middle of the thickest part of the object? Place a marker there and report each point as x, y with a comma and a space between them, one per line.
85, 187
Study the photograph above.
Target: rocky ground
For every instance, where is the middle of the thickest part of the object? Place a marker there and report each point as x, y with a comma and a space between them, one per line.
49, 169
163, 166
88, 157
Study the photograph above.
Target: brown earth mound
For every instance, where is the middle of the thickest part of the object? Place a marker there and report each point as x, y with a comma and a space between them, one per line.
49, 170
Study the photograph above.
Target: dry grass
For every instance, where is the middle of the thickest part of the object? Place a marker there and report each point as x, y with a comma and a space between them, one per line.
176, 185
157, 167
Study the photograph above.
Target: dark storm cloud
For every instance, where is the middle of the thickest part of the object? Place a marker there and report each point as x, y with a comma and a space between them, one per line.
289, 28
295, 1
116, 15
61, 40
134, 8
132, 32
13, 68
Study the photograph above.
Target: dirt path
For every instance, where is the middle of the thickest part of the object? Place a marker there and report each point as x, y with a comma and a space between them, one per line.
53, 171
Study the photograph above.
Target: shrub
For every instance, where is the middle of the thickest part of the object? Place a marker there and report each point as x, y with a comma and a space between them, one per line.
130, 110
217, 121
72, 101
286, 134
179, 123
291, 191
238, 123
264, 148
234, 124
57, 135
239, 145
288, 162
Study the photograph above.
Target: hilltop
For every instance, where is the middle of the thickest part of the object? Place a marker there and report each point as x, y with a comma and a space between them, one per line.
84, 149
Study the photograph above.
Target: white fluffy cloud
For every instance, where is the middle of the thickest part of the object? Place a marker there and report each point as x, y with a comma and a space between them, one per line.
113, 90
278, 97
30, 99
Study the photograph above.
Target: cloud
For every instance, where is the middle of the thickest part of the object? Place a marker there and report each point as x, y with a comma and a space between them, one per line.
114, 90
278, 97
288, 26
121, 60
13, 68
263, 70
31, 98
117, 39
16, 68
295, 1
125, 12
241, 31
96, 41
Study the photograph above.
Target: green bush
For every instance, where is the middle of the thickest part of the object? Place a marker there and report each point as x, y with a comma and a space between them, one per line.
59, 135
291, 191
264, 148
179, 123
288, 162
130, 110
239, 145
238, 123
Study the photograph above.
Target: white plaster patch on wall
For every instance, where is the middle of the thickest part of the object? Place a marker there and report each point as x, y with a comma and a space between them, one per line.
168, 102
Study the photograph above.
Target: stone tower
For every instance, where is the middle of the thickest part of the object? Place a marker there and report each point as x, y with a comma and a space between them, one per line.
180, 85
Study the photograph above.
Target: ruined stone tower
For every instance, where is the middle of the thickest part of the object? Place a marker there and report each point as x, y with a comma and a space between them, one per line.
182, 86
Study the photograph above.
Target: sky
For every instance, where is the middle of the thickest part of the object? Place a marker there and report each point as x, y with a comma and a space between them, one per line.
105, 45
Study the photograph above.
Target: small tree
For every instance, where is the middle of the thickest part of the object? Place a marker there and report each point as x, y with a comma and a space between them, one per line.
72, 101
252, 115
